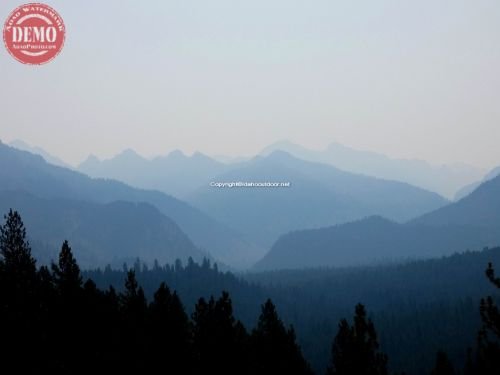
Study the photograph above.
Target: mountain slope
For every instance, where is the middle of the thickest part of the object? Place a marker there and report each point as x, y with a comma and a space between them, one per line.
445, 179
23, 146
21, 170
100, 233
466, 190
373, 240
480, 208
319, 195
471, 223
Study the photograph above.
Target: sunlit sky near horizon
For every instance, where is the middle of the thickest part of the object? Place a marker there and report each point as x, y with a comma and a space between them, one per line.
404, 78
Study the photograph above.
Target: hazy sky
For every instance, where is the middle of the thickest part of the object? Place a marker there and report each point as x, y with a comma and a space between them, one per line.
415, 79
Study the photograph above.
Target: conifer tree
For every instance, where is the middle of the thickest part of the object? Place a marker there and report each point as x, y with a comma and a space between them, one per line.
133, 309
68, 314
355, 350
20, 305
169, 330
488, 354
67, 276
17, 263
218, 338
133, 300
275, 347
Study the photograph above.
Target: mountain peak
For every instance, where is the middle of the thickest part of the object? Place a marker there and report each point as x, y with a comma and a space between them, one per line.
284, 145
201, 156
92, 159
90, 162
129, 153
280, 155
176, 154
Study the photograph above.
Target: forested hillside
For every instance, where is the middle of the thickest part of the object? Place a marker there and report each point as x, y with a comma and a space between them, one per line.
131, 318
403, 300
471, 223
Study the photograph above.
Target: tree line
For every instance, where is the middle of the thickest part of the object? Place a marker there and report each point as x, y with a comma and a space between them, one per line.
53, 319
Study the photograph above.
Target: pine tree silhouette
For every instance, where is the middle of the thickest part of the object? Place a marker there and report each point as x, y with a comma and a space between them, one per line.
488, 353
218, 339
67, 276
17, 262
275, 347
68, 316
169, 330
355, 349
20, 309
133, 307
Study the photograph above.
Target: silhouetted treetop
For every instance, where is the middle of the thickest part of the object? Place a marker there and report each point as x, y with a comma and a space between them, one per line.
355, 349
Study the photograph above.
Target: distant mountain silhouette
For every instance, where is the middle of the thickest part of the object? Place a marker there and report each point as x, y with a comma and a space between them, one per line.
444, 179
23, 146
319, 195
466, 190
471, 223
20, 170
175, 174
101, 234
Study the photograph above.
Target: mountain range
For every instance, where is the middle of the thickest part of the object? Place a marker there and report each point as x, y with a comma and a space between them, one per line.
179, 174
443, 179
23, 171
471, 223
326, 216
319, 195
174, 174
